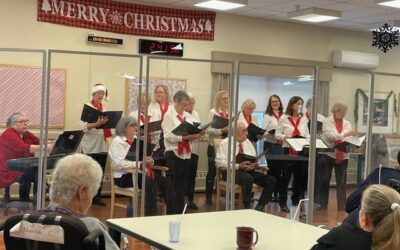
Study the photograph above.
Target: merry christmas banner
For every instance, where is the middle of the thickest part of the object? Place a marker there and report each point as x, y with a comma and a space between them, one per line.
129, 18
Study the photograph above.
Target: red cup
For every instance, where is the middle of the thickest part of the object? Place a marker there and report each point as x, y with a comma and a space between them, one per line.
244, 237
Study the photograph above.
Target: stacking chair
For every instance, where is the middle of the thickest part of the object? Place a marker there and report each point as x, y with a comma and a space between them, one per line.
221, 184
75, 234
115, 190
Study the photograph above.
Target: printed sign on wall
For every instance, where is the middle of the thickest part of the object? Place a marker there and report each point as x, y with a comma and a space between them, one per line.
129, 18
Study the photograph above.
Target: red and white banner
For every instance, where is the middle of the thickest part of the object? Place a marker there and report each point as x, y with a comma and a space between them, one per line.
129, 18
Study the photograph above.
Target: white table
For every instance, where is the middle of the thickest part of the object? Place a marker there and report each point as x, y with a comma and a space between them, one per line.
217, 230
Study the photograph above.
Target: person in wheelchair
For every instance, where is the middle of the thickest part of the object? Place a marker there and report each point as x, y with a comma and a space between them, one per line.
75, 182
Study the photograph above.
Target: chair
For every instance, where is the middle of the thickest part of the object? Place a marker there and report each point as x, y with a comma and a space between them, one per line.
76, 235
115, 190
221, 184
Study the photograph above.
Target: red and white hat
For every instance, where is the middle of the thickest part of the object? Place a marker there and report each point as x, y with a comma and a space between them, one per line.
100, 87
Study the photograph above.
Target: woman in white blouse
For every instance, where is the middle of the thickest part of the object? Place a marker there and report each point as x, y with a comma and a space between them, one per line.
335, 128
178, 151
291, 125
272, 115
221, 108
246, 115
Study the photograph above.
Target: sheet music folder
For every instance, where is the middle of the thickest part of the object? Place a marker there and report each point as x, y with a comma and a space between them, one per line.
240, 157
91, 115
67, 142
153, 126
350, 141
186, 128
131, 155
219, 122
253, 131
299, 143
319, 126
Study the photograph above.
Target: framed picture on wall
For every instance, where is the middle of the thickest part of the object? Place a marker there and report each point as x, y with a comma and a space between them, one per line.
132, 90
383, 112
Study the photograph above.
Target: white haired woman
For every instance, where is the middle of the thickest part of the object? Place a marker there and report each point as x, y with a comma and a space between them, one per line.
76, 180
94, 139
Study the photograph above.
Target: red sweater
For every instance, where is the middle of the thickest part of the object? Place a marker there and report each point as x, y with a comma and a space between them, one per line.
12, 146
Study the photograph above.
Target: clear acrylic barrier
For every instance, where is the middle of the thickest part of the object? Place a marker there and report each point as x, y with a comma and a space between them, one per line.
21, 90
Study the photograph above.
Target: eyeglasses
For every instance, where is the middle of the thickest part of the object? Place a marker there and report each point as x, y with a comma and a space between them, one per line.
23, 121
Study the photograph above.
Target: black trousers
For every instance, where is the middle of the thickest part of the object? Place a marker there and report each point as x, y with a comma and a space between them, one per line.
125, 181
25, 181
246, 180
275, 167
325, 174
190, 176
101, 158
176, 182
210, 178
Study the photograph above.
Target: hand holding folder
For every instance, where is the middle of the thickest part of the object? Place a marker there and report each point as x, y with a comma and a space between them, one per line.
153, 126
186, 128
350, 141
254, 131
91, 115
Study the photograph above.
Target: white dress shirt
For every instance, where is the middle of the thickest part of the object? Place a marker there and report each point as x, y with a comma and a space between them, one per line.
221, 159
118, 150
330, 133
93, 139
195, 144
213, 132
285, 129
155, 111
270, 122
170, 139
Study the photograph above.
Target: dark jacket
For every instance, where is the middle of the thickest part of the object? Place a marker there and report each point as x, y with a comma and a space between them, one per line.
345, 237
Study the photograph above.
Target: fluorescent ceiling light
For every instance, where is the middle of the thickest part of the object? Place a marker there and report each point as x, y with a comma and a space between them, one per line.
393, 3
220, 5
395, 24
315, 15
305, 78
288, 83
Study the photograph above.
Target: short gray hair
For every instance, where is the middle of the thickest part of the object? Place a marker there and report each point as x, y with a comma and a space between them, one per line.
123, 123
308, 103
180, 96
71, 173
11, 120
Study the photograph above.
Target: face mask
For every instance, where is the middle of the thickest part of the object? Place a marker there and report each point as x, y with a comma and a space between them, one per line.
300, 108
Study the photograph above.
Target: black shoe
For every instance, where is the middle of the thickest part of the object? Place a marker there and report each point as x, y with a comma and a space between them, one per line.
284, 208
209, 202
275, 199
192, 205
259, 207
98, 201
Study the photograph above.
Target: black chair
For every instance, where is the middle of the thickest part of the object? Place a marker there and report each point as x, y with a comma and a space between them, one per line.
76, 235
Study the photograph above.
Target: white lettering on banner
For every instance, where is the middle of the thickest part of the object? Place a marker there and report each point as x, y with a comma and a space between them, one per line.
124, 20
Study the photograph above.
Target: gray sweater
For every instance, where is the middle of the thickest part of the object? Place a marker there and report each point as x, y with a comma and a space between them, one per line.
94, 223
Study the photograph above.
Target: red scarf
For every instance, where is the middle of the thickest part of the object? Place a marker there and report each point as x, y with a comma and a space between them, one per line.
295, 132
163, 110
248, 118
223, 115
277, 115
106, 131
241, 148
184, 144
339, 154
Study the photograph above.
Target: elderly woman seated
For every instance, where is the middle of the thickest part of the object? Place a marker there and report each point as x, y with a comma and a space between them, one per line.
76, 180
126, 130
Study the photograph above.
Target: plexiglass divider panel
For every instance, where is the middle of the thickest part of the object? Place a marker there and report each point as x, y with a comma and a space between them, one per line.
78, 77
22, 89
345, 131
275, 95
203, 83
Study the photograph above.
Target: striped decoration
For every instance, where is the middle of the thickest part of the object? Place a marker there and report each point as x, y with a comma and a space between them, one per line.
21, 90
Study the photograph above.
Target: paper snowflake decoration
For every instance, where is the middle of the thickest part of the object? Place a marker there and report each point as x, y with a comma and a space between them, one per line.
385, 38
116, 17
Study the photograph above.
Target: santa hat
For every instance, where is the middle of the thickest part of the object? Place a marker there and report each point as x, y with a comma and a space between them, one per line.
100, 87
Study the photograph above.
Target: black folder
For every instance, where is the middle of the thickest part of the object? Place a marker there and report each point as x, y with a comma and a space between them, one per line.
67, 142
153, 126
272, 132
201, 126
131, 155
240, 157
319, 126
91, 115
219, 122
186, 128
253, 131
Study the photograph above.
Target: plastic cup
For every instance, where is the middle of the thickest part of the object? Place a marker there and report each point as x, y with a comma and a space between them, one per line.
174, 229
